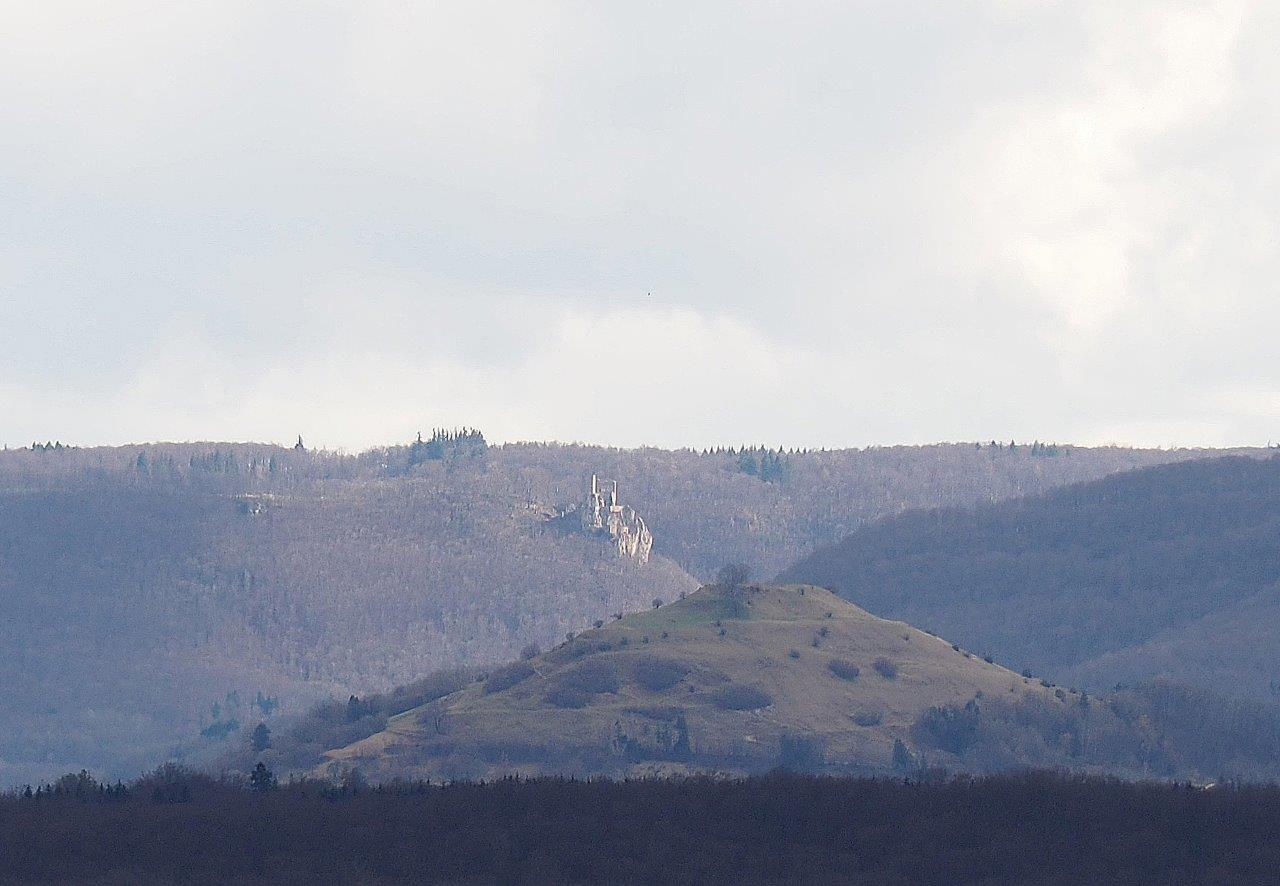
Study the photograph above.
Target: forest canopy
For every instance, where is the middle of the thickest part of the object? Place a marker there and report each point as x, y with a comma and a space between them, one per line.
174, 825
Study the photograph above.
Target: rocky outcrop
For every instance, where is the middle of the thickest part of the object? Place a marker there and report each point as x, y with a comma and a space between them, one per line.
604, 514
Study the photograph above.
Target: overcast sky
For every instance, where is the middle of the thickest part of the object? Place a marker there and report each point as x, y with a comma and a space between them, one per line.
823, 224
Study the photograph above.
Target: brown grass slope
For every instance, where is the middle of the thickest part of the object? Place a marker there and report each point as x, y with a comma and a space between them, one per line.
749, 675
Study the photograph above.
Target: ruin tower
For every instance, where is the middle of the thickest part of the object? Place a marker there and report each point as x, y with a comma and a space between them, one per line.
606, 515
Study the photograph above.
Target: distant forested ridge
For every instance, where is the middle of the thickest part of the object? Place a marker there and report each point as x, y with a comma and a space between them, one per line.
173, 826
761, 506
152, 595
1170, 571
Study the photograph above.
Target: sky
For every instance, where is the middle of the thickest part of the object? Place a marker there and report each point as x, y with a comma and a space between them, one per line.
801, 224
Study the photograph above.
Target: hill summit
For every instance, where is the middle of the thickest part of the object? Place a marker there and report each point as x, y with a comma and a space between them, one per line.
728, 679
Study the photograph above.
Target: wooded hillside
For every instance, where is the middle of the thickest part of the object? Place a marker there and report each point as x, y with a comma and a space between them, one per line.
155, 593
1171, 571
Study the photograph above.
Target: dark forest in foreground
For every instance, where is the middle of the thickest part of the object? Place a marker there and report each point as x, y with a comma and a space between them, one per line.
1028, 828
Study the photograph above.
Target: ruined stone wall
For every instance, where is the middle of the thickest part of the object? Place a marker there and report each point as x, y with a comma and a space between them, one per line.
604, 514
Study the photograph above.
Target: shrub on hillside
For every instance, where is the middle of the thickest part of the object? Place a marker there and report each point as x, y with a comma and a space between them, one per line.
903, 759
576, 686
739, 697
569, 697
506, 677
593, 676
801, 753
845, 670
868, 718
576, 649
885, 668
657, 675
951, 729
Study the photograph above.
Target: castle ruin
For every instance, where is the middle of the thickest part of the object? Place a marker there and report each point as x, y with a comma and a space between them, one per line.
603, 514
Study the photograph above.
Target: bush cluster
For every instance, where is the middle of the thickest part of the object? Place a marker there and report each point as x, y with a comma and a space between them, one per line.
845, 670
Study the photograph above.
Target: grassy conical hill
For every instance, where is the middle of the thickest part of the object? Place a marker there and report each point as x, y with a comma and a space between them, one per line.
728, 679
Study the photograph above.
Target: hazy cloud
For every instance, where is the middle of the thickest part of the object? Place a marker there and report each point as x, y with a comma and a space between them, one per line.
823, 223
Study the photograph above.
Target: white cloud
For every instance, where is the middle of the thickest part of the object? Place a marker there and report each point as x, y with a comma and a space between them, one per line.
1077, 183
630, 376
858, 223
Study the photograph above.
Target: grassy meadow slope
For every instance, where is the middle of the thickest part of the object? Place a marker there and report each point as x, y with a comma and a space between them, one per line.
151, 592
742, 679
728, 678
1170, 571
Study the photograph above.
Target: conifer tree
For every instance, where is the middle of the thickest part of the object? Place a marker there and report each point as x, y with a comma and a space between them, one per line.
261, 738
262, 779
